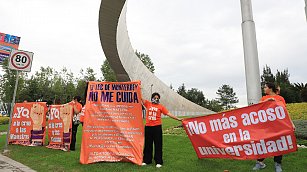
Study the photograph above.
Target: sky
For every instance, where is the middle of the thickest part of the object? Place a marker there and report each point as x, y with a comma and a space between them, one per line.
197, 42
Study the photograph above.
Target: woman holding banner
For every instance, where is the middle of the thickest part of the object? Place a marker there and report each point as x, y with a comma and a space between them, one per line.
153, 129
271, 92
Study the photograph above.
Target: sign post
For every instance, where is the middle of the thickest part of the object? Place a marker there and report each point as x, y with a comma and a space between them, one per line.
19, 61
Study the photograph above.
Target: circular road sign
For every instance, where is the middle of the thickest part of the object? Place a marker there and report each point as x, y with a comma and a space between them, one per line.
20, 60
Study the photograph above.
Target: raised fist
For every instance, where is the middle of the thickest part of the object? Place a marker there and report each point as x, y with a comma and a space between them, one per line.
66, 116
37, 115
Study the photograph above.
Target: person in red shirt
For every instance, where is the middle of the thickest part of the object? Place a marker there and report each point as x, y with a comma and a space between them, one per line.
271, 92
153, 129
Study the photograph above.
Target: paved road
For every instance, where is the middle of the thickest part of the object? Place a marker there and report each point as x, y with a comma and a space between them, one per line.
9, 165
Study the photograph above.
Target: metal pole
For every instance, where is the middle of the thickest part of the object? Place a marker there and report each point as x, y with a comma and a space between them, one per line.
306, 8
252, 73
11, 114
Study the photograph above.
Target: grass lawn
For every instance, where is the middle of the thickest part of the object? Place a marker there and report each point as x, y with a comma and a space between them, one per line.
178, 155
3, 128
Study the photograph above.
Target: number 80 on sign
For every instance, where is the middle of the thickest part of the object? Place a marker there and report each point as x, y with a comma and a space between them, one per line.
20, 60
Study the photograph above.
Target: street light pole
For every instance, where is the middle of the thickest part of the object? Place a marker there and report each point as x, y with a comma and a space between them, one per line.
306, 8
252, 73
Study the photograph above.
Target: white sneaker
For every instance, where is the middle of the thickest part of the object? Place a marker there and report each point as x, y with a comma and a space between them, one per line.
64, 149
32, 144
259, 166
158, 165
278, 167
144, 164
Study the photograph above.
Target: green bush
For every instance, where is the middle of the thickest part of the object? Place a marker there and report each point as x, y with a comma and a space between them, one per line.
4, 120
301, 129
297, 110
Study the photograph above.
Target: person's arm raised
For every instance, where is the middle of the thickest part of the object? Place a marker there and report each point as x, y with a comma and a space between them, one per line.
173, 116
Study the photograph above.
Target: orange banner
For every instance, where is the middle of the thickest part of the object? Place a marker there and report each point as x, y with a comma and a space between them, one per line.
113, 127
59, 126
28, 124
258, 131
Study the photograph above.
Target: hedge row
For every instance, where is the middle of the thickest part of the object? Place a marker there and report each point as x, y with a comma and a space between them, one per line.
4, 120
297, 110
301, 129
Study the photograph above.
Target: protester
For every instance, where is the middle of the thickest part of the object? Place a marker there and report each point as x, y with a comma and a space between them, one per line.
77, 107
153, 129
271, 92
83, 108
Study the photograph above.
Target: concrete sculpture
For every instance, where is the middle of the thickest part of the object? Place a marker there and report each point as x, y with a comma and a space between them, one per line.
127, 66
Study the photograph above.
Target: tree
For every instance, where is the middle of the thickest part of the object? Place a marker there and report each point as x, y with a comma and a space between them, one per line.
146, 61
48, 85
214, 105
29, 91
196, 96
182, 91
227, 97
288, 92
81, 88
89, 75
44, 85
267, 75
109, 74
43, 82
68, 84
7, 83
302, 89
282, 77
58, 88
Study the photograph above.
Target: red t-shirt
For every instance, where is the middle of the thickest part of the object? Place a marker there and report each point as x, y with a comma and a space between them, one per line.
78, 106
153, 113
277, 98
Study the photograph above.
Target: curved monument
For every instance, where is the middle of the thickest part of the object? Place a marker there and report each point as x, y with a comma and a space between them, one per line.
127, 66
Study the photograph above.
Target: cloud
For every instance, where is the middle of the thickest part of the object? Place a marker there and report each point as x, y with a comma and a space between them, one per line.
200, 42
197, 42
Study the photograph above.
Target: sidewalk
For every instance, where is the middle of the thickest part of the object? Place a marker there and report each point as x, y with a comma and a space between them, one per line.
9, 165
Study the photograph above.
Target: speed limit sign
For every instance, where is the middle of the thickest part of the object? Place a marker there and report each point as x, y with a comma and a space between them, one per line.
20, 60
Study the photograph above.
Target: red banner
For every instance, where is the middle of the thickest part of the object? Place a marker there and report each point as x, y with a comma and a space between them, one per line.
113, 126
258, 131
59, 126
7, 43
28, 124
